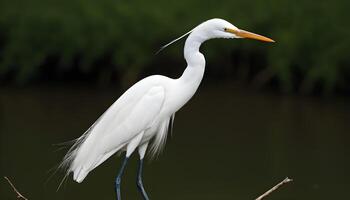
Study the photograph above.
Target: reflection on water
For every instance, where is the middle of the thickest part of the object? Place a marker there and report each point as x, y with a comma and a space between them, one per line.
227, 144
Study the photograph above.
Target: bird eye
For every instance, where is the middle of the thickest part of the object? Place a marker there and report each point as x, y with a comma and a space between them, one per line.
225, 29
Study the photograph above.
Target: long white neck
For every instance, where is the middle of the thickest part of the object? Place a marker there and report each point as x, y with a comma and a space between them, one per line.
194, 71
189, 81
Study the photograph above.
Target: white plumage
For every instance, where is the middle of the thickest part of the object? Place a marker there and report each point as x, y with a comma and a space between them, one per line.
130, 122
143, 113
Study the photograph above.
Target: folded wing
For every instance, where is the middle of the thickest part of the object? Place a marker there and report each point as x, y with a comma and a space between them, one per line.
133, 113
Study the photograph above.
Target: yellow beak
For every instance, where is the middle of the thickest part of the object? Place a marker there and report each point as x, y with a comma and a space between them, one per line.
249, 35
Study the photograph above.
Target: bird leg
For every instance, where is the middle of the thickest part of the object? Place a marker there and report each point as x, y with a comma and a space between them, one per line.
119, 178
139, 181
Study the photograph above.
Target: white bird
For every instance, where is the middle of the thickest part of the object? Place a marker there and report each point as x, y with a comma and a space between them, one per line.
141, 116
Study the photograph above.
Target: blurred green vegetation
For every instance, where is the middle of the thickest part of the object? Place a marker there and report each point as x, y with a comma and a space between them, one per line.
110, 36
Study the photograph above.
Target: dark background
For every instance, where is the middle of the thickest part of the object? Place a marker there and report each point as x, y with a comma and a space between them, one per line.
263, 111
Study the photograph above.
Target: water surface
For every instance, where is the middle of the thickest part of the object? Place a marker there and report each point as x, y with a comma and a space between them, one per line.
227, 144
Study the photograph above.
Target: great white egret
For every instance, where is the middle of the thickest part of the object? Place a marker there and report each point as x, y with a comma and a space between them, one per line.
143, 113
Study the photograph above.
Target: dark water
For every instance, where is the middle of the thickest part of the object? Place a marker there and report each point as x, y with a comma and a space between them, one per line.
227, 144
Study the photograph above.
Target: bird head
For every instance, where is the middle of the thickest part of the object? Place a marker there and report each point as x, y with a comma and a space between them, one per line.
219, 28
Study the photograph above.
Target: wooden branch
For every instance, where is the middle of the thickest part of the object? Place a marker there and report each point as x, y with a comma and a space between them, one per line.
267, 193
19, 195
286, 180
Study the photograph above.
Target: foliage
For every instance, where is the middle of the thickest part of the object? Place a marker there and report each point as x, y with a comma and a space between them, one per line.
311, 49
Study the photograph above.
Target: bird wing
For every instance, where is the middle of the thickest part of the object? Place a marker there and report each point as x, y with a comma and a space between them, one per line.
132, 113
140, 118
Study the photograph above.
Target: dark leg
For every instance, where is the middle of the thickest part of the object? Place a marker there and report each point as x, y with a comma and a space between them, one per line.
139, 181
119, 178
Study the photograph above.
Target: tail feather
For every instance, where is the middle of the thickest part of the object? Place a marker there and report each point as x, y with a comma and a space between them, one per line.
68, 159
80, 174
81, 171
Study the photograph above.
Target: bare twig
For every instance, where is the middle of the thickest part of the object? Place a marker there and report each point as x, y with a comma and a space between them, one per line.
286, 180
19, 195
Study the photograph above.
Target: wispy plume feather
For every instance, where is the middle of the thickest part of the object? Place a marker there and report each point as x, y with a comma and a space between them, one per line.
177, 39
